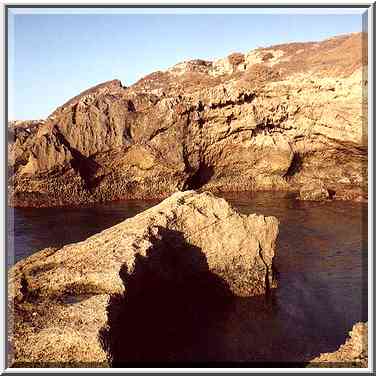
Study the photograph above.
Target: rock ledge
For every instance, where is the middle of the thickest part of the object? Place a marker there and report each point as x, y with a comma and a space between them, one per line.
64, 301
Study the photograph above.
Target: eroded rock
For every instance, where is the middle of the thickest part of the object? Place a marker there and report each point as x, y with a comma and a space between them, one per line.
353, 353
314, 191
273, 118
65, 304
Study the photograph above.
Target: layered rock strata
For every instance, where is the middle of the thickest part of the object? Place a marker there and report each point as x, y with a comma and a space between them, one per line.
274, 118
67, 306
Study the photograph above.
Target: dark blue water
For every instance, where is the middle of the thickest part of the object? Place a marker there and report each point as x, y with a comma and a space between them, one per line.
321, 262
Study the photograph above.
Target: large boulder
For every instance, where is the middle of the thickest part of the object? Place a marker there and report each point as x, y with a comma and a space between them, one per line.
66, 304
353, 353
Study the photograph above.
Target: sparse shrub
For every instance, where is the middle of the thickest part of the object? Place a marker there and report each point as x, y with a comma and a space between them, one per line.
236, 58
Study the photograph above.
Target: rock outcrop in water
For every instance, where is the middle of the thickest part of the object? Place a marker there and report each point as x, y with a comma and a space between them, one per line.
353, 353
275, 118
175, 261
314, 191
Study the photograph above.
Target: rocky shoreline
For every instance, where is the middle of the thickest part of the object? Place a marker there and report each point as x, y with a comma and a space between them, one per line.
182, 260
286, 116
352, 354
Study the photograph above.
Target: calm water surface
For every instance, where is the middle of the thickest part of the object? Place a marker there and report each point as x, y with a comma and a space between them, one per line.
321, 262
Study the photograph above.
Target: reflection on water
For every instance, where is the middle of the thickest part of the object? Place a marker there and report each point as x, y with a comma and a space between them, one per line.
321, 262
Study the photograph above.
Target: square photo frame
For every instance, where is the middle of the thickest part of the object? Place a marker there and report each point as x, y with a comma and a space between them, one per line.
188, 187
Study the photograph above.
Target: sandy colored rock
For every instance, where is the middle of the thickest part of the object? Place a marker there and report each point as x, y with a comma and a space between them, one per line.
314, 191
353, 353
60, 300
271, 118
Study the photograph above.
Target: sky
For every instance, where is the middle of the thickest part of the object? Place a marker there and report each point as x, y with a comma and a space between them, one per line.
54, 56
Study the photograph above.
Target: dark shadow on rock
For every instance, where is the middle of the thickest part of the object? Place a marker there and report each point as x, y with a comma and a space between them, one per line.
176, 312
171, 300
84, 166
332, 193
295, 166
200, 177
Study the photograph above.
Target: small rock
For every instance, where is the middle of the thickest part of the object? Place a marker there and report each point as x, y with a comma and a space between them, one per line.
314, 191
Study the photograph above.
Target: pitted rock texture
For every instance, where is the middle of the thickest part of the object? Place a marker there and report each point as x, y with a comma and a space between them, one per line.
60, 299
274, 118
315, 191
353, 353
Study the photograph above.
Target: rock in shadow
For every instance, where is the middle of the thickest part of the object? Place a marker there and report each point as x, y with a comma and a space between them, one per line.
201, 177
171, 301
176, 312
295, 166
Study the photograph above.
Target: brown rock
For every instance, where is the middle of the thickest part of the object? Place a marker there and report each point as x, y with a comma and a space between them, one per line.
315, 191
273, 118
353, 353
63, 300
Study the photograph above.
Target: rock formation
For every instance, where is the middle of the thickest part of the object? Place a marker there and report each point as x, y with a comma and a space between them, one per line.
353, 353
314, 191
67, 305
275, 118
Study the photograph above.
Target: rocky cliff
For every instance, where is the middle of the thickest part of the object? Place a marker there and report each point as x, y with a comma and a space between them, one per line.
136, 288
273, 118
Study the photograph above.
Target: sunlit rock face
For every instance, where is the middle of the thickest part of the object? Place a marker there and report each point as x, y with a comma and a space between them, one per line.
273, 118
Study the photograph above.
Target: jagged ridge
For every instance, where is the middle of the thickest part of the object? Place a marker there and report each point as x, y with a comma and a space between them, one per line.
273, 118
